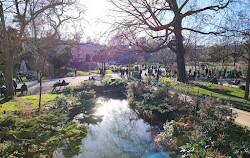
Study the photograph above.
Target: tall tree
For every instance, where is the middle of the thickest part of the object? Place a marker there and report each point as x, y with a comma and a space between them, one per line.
238, 27
168, 19
246, 56
22, 13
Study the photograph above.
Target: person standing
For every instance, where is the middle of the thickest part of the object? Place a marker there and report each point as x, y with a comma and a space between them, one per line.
14, 84
149, 79
2, 79
75, 72
157, 81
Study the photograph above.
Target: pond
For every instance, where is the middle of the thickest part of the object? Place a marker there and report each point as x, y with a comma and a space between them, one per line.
116, 131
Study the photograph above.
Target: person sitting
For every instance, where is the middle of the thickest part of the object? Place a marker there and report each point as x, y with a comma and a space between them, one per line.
2, 90
92, 78
63, 81
24, 88
14, 84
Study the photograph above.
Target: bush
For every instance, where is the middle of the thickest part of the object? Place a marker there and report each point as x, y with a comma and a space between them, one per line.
176, 134
218, 129
197, 149
241, 86
163, 107
63, 71
106, 81
119, 84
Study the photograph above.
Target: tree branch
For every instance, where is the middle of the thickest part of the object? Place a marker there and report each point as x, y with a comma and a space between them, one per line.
215, 8
204, 33
183, 5
19, 139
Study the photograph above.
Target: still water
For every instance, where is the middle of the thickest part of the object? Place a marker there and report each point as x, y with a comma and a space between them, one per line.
115, 131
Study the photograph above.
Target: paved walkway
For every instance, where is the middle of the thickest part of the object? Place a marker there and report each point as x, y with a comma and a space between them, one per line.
47, 85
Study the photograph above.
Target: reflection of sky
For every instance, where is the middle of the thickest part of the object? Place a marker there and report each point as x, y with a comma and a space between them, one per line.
120, 134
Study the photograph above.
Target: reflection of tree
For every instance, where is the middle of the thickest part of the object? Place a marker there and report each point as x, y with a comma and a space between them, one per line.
120, 134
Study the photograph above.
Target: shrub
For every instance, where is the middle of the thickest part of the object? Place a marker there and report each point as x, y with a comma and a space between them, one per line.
176, 134
218, 129
162, 106
241, 86
197, 149
63, 71
46, 132
106, 81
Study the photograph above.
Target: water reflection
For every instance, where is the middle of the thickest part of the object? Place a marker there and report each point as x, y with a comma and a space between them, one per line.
120, 133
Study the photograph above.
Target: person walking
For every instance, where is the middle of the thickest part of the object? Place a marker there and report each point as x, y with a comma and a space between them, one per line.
157, 81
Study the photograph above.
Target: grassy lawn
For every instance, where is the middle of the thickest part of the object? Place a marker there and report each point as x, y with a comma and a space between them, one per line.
95, 71
24, 103
109, 72
233, 95
79, 73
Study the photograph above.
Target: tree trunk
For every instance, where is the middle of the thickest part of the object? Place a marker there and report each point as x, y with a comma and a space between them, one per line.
180, 51
40, 97
8, 72
247, 81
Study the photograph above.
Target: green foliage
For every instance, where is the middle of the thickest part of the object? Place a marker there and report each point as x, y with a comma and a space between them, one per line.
79, 73
95, 71
176, 134
196, 149
10, 149
218, 129
106, 81
63, 71
46, 132
230, 94
241, 86
108, 72
119, 84
25, 103
157, 105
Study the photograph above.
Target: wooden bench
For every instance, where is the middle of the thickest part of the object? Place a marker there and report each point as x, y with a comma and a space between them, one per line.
59, 85
21, 90
234, 82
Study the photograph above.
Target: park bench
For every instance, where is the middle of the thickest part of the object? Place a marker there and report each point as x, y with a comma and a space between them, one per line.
21, 90
235, 82
59, 85
214, 80
2, 91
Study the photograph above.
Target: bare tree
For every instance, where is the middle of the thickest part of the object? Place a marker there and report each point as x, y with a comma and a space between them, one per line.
23, 14
165, 18
246, 56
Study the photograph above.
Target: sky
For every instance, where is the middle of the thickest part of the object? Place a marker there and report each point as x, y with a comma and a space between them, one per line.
97, 10
93, 26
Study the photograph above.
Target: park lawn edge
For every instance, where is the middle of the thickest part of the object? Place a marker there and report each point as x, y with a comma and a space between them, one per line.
235, 96
25, 103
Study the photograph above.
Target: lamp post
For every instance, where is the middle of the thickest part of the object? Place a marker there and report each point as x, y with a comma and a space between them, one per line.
129, 58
